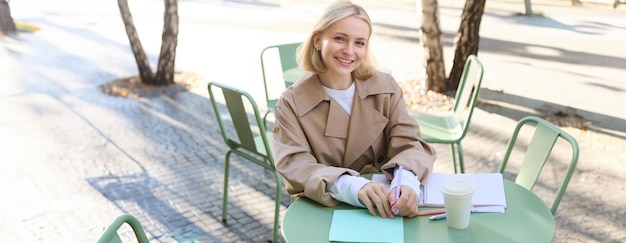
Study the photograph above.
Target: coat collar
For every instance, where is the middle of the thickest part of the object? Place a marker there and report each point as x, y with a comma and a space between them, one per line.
308, 91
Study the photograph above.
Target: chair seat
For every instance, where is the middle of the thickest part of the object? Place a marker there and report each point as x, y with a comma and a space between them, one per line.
258, 140
452, 127
292, 75
440, 128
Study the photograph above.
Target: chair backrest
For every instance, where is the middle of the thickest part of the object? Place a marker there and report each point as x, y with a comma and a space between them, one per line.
467, 91
251, 136
538, 152
110, 235
286, 52
287, 58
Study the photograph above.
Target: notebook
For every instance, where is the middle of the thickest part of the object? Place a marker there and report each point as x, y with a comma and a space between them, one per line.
488, 189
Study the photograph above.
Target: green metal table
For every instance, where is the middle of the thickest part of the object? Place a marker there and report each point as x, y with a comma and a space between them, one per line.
526, 219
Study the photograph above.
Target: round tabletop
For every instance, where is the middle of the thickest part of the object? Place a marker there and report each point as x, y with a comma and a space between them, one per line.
526, 219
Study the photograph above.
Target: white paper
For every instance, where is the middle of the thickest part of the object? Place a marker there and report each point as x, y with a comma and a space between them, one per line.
488, 190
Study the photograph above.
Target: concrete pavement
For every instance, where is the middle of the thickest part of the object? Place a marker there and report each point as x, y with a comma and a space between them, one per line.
73, 159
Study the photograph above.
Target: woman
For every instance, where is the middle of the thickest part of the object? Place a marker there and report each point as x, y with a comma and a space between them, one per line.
344, 118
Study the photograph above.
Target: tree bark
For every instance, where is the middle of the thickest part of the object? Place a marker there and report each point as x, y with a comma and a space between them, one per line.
7, 26
145, 72
169, 41
418, 6
433, 47
529, 9
467, 39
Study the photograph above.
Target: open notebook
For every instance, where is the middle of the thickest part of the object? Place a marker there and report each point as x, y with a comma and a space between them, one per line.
488, 190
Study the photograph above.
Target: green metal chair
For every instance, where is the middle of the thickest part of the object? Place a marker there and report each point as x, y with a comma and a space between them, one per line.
110, 235
287, 56
452, 127
252, 141
538, 152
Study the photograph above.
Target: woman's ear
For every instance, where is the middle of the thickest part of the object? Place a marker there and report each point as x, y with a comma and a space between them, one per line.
317, 41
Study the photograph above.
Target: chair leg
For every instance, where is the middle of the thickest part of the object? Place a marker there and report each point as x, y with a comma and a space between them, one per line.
265, 118
453, 157
461, 163
225, 197
277, 208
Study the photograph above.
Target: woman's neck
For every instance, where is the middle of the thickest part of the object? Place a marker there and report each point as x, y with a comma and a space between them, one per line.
335, 82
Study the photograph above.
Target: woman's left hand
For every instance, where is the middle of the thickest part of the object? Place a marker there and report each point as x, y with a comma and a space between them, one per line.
373, 196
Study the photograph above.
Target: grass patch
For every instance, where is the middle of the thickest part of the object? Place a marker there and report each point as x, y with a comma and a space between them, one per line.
539, 15
25, 27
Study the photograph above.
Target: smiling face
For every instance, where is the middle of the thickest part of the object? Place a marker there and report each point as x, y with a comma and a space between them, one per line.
342, 47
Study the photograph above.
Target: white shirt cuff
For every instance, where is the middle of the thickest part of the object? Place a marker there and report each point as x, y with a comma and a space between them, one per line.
408, 179
346, 189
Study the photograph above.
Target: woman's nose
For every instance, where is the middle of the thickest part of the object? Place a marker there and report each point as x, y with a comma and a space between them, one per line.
347, 48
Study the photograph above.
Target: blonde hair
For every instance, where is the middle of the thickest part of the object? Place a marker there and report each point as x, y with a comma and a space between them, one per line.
308, 57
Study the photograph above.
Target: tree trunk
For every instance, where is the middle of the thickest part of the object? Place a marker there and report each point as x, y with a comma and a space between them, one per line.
467, 39
169, 41
145, 72
7, 26
529, 9
418, 7
433, 46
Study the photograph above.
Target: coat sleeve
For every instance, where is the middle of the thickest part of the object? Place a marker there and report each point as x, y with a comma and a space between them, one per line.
303, 175
406, 146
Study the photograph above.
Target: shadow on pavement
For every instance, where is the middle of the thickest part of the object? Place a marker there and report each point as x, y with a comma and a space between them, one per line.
484, 147
182, 184
517, 107
135, 194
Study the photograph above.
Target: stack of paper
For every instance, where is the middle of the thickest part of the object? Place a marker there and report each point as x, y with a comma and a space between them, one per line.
488, 190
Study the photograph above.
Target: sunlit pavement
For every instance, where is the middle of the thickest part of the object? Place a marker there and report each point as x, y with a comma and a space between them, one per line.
73, 159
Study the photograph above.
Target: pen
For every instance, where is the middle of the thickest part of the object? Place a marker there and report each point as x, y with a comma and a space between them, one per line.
437, 216
399, 175
440, 211
431, 212
441, 215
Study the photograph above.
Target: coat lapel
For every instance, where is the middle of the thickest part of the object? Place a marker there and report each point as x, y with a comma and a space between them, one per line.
308, 93
337, 122
365, 125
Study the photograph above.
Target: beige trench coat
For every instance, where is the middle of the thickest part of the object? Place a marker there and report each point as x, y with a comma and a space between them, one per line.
316, 141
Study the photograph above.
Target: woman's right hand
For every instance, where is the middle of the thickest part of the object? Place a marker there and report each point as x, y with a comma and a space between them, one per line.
374, 196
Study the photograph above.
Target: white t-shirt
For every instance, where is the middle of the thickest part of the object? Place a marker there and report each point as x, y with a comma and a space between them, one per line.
342, 97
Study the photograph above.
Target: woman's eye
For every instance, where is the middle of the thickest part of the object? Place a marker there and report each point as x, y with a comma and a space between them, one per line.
339, 38
361, 43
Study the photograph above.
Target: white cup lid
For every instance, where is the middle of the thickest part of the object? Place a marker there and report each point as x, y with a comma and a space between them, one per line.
457, 188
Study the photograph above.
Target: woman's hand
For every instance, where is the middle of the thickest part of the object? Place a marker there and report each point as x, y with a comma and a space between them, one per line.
407, 204
374, 196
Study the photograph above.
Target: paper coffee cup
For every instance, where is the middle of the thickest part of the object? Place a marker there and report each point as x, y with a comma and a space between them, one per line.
457, 197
